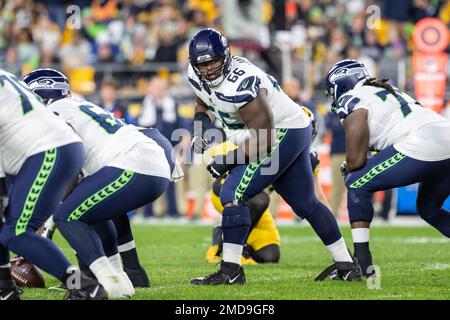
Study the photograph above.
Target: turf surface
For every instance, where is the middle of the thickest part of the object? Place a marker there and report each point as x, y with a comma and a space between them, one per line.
414, 264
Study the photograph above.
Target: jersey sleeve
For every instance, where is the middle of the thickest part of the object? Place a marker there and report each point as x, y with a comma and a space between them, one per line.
347, 103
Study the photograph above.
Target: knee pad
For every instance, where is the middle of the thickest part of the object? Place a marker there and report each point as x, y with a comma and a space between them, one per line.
235, 216
359, 204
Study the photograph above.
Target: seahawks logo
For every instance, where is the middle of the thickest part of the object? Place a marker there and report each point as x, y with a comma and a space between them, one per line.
44, 82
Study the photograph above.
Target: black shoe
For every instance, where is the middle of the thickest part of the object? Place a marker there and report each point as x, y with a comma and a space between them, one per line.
9, 290
229, 273
90, 290
346, 271
138, 277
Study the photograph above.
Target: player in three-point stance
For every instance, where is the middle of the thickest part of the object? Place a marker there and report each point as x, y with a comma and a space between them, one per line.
271, 131
413, 145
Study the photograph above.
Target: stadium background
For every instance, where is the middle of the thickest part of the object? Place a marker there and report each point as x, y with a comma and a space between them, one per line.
131, 57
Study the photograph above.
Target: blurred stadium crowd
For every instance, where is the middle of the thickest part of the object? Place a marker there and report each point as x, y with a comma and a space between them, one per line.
130, 57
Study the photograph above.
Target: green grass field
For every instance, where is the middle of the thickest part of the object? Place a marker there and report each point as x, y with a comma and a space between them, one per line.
414, 264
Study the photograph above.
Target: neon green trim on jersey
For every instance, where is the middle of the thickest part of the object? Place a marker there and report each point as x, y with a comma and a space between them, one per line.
380, 168
253, 167
36, 189
101, 195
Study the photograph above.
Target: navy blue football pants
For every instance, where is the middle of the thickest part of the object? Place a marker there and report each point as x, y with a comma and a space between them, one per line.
108, 195
288, 170
34, 195
390, 169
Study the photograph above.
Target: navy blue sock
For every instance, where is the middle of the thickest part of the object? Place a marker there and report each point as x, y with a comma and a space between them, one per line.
441, 222
123, 227
108, 235
82, 238
324, 224
235, 224
42, 252
4, 256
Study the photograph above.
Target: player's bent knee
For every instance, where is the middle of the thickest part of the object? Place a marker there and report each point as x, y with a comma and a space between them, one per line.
267, 254
426, 209
305, 208
359, 204
233, 216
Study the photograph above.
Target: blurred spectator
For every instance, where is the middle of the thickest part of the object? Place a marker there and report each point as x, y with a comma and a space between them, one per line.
76, 53
245, 28
46, 35
160, 111
372, 48
396, 47
27, 50
337, 153
168, 43
293, 89
108, 94
354, 52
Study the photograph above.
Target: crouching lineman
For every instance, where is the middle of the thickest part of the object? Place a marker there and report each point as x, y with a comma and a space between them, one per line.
263, 242
123, 170
252, 107
40, 157
413, 145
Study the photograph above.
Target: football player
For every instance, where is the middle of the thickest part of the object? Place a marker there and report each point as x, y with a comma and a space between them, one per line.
413, 145
273, 136
263, 242
40, 158
119, 176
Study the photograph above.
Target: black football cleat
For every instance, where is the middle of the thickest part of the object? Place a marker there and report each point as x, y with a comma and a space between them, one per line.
138, 277
346, 271
229, 273
90, 290
9, 290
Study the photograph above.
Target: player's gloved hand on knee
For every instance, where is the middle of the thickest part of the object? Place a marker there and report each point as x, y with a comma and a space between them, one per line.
217, 167
343, 168
220, 165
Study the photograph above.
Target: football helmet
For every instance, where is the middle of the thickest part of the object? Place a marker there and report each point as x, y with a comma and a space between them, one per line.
49, 84
209, 45
342, 77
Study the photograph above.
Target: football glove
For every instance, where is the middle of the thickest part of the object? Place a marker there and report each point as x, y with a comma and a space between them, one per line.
199, 144
4, 200
343, 168
219, 168
202, 122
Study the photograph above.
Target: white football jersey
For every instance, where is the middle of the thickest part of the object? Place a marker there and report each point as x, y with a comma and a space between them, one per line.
109, 141
400, 121
242, 85
27, 127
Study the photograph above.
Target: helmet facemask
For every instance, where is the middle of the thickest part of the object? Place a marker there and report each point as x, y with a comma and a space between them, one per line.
222, 70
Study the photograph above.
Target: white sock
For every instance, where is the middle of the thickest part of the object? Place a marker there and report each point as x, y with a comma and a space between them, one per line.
6, 266
127, 246
339, 251
102, 267
360, 235
116, 262
232, 253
